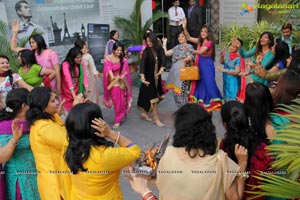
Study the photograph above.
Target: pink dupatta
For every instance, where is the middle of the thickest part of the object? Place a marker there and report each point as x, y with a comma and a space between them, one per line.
115, 67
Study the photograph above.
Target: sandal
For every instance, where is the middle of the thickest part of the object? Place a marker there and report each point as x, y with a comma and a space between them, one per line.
159, 123
116, 125
146, 117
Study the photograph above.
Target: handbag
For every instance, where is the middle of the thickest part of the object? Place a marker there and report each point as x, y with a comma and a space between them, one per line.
189, 73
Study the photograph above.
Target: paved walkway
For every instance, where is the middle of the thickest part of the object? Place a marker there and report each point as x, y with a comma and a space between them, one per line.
145, 133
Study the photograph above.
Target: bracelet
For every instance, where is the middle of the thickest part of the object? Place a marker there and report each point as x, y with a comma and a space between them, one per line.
14, 38
148, 195
130, 145
151, 197
13, 142
72, 88
118, 137
242, 175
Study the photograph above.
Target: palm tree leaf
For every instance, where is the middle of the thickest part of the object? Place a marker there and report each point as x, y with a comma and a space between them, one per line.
287, 157
278, 186
131, 27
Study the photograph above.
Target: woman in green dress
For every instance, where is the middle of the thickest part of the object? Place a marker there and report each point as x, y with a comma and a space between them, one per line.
32, 73
20, 172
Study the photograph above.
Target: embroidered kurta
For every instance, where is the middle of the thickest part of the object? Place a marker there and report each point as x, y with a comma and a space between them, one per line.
150, 65
47, 60
231, 83
120, 94
91, 71
20, 168
69, 81
266, 61
6, 86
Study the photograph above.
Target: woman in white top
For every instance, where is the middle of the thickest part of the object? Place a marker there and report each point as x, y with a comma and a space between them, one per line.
91, 71
9, 80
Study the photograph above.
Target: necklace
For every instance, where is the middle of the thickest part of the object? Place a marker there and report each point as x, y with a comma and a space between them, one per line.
115, 59
264, 51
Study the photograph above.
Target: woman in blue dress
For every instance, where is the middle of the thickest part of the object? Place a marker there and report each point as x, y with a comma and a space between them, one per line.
205, 91
231, 70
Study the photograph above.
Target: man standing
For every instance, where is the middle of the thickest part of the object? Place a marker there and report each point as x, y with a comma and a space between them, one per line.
287, 37
26, 26
193, 14
176, 15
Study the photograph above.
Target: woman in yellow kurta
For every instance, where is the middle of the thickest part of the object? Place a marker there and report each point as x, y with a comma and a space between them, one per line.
95, 163
47, 134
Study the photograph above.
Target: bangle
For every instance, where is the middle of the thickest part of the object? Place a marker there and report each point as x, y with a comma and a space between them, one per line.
148, 195
242, 175
14, 38
72, 88
130, 145
118, 137
13, 142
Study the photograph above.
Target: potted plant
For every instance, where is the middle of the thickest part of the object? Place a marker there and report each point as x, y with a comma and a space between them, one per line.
132, 27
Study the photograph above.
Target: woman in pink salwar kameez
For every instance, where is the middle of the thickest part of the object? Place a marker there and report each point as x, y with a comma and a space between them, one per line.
45, 57
74, 79
117, 83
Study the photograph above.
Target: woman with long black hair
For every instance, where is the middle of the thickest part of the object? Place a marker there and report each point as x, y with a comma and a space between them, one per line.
74, 79
117, 83
91, 156
151, 92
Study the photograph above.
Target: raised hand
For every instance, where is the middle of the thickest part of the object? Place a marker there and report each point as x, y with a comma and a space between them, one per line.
16, 130
241, 154
236, 43
164, 40
15, 26
60, 108
184, 22
219, 68
222, 53
103, 130
259, 59
78, 99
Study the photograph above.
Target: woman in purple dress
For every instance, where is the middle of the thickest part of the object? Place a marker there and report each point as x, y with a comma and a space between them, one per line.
205, 91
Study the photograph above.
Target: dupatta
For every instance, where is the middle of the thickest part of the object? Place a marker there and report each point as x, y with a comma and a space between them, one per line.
209, 52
